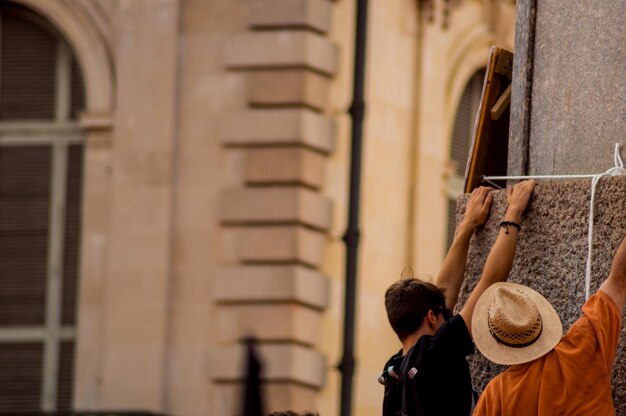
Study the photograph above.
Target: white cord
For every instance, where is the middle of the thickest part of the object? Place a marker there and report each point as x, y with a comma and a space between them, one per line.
617, 169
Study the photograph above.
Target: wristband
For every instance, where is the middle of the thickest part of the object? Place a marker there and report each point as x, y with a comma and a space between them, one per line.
507, 224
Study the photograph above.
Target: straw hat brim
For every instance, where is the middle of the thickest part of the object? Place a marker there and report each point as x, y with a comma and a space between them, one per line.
501, 354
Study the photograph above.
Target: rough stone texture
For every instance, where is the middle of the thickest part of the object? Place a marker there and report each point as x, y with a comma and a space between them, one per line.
578, 98
519, 124
552, 253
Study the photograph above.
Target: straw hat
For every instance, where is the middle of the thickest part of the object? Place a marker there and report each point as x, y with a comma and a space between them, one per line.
514, 324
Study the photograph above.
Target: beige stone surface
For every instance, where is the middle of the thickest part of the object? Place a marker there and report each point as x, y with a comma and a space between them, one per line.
277, 395
312, 14
280, 244
130, 368
462, 49
269, 323
288, 87
281, 49
275, 205
281, 362
91, 299
285, 166
279, 127
271, 283
162, 282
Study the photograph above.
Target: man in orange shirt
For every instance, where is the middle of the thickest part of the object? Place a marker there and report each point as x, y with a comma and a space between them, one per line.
550, 374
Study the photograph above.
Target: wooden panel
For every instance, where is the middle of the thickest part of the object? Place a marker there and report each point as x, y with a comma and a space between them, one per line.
490, 142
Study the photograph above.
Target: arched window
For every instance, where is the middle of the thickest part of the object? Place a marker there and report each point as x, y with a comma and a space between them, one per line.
460, 144
41, 151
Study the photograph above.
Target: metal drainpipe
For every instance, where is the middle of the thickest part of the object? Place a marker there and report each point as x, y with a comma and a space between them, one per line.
351, 237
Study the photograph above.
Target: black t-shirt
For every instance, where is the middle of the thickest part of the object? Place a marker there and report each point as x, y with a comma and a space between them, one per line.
443, 385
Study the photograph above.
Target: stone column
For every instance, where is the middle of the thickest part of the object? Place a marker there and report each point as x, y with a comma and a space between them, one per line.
278, 219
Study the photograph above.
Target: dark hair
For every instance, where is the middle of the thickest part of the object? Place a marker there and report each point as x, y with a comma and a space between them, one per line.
292, 413
408, 301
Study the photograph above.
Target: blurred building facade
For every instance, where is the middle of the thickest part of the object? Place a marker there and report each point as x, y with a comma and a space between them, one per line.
173, 178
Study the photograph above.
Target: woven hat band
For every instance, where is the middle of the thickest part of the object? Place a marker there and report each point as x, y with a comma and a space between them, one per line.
513, 318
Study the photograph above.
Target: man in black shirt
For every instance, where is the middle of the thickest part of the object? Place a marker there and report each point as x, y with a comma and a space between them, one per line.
430, 375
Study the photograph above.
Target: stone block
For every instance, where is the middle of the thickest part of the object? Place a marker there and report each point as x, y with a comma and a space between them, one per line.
288, 87
278, 396
281, 49
275, 205
310, 14
552, 253
297, 284
285, 166
273, 323
281, 244
281, 362
272, 127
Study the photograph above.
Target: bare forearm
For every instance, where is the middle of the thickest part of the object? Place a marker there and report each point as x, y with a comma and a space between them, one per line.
618, 269
450, 276
615, 285
498, 265
500, 259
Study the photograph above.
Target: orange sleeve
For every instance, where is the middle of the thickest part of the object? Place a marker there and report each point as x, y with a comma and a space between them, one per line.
605, 319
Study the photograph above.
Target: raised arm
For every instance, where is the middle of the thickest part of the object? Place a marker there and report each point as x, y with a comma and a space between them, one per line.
452, 270
500, 259
615, 284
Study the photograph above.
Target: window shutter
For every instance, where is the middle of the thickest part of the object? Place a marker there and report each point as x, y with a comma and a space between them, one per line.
65, 390
27, 67
461, 139
24, 208
72, 234
77, 96
20, 376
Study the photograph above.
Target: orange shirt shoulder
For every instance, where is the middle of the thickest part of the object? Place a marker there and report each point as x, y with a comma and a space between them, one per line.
573, 378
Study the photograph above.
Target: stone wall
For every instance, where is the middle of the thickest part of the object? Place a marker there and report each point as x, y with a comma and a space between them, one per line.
569, 93
552, 253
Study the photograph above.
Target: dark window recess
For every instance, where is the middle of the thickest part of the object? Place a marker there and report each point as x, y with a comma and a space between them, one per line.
464, 123
20, 376
27, 66
461, 139
24, 207
72, 234
451, 222
77, 104
66, 376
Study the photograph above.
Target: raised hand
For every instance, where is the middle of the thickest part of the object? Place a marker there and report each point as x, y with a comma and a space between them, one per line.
478, 206
518, 197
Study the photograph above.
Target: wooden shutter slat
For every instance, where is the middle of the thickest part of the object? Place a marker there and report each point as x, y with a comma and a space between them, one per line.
24, 210
20, 376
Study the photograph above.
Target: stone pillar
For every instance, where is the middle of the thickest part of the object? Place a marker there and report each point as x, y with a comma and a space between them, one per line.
569, 91
135, 292
277, 221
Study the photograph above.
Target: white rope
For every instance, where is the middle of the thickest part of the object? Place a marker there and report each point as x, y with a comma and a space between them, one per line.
617, 169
